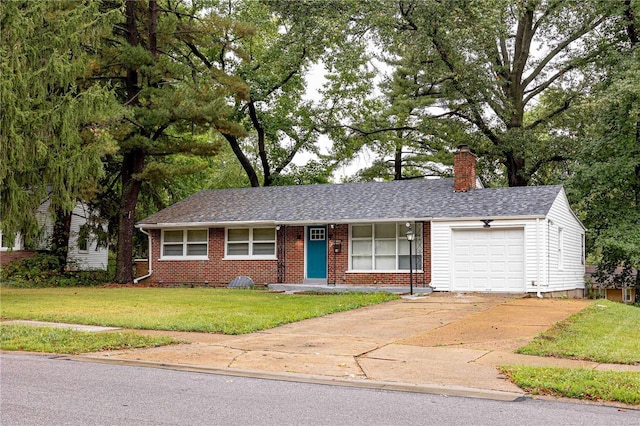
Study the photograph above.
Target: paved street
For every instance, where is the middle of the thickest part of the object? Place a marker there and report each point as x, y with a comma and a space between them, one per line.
40, 389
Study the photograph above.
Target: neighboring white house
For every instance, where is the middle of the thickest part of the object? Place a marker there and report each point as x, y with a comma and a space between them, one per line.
84, 253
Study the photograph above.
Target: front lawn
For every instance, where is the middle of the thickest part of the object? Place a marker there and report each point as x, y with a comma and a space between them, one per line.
184, 309
605, 332
65, 341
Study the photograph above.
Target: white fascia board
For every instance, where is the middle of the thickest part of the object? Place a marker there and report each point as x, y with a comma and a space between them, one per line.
466, 218
183, 225
563, 194
349, 221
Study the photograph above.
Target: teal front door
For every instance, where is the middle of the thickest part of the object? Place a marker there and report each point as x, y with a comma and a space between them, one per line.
317, 252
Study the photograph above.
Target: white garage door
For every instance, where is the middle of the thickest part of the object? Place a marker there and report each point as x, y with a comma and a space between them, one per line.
488, 260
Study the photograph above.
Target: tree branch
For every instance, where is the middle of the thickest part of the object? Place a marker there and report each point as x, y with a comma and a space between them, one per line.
559, 48
564, 107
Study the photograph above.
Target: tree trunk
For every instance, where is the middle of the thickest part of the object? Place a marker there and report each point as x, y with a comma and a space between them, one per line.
132, 164
60, 237
244, 161
397, 163
515, 170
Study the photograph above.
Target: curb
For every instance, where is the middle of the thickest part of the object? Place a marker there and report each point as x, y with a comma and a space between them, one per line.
434, 389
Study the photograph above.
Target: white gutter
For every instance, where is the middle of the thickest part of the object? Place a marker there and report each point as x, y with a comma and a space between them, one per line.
204, 224
472, 218
183, 225
137, 280
363, 220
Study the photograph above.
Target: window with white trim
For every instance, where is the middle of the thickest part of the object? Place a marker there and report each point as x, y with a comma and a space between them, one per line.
384, 247
83, 238
4, 246
560, 248
251, 243
185, 244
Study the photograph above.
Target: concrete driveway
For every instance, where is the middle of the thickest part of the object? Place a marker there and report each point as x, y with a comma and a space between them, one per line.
444, 339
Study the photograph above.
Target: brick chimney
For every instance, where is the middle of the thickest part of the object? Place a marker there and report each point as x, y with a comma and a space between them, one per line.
464, 169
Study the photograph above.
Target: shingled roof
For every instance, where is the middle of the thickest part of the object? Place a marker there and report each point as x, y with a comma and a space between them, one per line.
416, 199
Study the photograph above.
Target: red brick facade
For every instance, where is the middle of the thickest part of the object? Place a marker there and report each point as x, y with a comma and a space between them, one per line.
289, 268
9, 256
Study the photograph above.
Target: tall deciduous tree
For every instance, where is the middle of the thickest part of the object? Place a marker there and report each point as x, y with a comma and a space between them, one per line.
52, 133
274, 61
488, 63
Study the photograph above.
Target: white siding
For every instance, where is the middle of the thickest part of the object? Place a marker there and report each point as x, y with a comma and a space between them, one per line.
566, 273
92, 258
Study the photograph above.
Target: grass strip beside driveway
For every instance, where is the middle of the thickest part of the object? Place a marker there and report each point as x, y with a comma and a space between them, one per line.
605, 331
67, 341
577, 383
181, 309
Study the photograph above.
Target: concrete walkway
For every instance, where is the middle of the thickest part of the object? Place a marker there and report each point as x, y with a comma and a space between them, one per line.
445, 343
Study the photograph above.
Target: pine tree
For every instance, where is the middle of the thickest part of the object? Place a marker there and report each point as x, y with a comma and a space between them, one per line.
170, 100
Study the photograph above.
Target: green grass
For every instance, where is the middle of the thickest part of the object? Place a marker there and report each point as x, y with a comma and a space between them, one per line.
66, 341
578, 383
184, 309
605, 332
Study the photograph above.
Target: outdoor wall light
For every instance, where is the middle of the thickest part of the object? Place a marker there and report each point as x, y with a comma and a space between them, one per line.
487, 222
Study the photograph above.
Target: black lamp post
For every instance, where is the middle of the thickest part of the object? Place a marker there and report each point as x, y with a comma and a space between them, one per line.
410, 237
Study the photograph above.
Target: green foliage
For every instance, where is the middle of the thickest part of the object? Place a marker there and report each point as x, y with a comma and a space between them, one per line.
485, 67
606, 185
207, 310
273, 61
52, 126
603, 332
68, 341
43, 270
578, 383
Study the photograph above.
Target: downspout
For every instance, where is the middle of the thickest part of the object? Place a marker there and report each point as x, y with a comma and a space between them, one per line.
538, 260
137, 280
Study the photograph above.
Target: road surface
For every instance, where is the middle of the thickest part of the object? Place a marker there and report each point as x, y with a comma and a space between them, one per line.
38, 390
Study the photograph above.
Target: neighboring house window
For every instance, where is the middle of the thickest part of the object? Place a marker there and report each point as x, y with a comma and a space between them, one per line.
560, 248
384, 247
4, 245
251, 243
83, 239
185, 243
